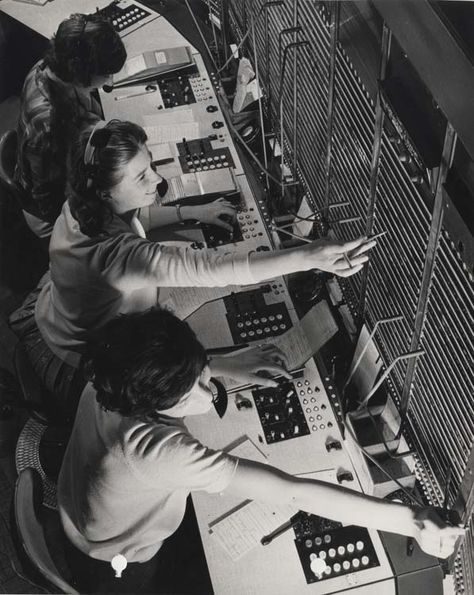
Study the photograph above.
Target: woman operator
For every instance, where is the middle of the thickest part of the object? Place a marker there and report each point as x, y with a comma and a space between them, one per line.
102, 264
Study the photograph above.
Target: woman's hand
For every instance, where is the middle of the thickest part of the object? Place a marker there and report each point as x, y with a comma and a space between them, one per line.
341, 258
243, 366
434, 536
212, 212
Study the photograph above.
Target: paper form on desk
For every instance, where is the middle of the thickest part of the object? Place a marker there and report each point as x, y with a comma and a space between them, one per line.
246, 449
241, 530
186, 300
185, 116
167, 133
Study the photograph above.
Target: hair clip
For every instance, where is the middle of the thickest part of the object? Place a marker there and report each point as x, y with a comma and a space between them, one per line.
100, 138
89, 151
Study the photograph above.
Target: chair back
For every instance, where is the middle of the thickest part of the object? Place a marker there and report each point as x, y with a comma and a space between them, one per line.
27, 503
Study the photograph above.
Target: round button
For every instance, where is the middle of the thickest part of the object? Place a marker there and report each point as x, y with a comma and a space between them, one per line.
311, 419
318, 540
341, 550
327, 539
336, 567
356, 562
365, 560
360, 546
346, 564
350, 548
327, 570
309, 543
313, 556
318, 566
322, 554
332, 553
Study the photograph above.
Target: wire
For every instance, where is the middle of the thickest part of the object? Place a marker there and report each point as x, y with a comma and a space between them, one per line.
201, 34
289, 233
412, 497
254, 157
247, 33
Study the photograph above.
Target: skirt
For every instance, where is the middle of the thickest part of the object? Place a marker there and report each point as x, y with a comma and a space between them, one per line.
62, 383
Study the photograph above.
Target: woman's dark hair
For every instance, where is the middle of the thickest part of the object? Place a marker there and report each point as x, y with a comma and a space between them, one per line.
114, 146
144, 362
85, 46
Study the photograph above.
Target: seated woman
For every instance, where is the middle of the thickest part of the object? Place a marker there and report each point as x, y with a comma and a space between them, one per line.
57, 103
131, 463
103, 265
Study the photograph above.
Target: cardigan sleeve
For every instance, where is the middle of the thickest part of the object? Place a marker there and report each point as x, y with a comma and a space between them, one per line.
130, 263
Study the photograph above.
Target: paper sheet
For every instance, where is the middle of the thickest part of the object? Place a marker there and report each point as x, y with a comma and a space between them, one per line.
163, 151
186, 300
167, 133
184, 116
307, 337
132, 66
241, 531
248, 450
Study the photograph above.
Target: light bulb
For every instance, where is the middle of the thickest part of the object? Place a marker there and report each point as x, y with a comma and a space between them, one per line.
119, 563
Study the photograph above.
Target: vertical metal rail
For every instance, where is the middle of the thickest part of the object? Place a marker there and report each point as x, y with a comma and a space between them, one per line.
335, 15
260, 109
295, 93
266, 41
374, 169
433, 240
224, 15
214, 36
282, 55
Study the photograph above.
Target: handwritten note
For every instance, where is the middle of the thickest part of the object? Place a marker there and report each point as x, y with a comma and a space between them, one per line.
239, 532
241, 529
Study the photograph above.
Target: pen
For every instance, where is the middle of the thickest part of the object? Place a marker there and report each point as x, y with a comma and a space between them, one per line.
148, 89
377, 235
266, 539
347, 259
164, 161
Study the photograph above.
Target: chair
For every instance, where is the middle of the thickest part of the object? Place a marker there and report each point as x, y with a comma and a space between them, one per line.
33, 527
